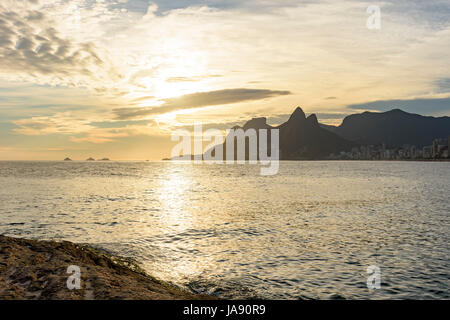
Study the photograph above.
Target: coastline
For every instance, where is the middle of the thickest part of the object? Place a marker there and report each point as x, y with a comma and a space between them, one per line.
37, 270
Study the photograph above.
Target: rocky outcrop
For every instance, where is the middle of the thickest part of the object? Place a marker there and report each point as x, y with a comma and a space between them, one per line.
31, 269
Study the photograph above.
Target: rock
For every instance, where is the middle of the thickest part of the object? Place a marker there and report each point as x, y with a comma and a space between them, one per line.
32, 269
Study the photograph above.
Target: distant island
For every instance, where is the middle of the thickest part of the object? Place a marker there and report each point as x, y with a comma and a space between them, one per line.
391, 135
89, 159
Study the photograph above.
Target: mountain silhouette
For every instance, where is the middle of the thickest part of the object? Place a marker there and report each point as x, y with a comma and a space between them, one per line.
304, 138
301, 138
394, 128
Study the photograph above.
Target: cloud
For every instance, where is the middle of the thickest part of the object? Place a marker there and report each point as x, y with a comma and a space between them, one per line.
254, 5
126, 47
60, 123
442, 85
222, 126
424, 106
200, 99
193, 78
32, 48
102, 135
280, 118
144, 98
120, 124
80, 129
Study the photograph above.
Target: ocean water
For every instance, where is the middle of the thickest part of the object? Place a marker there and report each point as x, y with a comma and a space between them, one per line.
309, 232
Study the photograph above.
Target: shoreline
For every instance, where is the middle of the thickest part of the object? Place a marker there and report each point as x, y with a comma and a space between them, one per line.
37, 270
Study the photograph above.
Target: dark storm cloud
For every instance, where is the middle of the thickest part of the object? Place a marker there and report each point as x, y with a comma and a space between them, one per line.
200, 99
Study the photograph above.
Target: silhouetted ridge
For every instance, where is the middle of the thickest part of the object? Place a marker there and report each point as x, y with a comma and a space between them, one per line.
396, 111
300, 138
297, 115
257, 123
395, 128
304, 138
312, 119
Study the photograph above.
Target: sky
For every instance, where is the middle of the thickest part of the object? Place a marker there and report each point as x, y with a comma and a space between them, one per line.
115, 78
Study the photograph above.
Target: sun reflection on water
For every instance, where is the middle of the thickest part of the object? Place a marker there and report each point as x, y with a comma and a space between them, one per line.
178, 218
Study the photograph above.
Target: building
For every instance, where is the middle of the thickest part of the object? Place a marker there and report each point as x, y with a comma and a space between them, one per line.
412, 152
440, 149
448, 145
435, 148
427, 152
445, 153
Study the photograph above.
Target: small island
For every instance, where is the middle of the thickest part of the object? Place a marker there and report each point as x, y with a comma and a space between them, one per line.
104, 159
67, 159
90, 159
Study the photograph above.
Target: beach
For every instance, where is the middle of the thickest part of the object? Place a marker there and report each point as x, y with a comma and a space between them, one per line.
31, 269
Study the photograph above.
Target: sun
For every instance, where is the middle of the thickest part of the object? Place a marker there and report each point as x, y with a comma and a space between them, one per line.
182, 69
169, 117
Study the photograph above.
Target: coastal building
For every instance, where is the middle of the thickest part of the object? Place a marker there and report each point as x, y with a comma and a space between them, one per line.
435, 149
439, 149
448, 147
427, 152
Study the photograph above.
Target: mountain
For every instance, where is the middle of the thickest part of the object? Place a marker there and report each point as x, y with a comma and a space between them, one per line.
328, 127
301, 138
256, 123
394, 128
304, 138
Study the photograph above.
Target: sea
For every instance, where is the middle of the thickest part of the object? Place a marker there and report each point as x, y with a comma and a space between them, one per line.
314, 230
